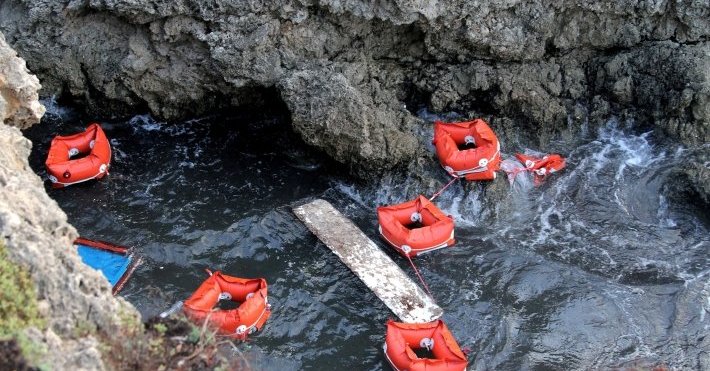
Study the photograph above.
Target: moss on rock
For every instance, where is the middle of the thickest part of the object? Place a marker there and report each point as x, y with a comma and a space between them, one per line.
18, 298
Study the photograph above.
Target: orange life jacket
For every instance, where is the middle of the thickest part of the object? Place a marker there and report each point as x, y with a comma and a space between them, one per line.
92, 143
477, 163
542, 167
436, 229
403, 338
249, 317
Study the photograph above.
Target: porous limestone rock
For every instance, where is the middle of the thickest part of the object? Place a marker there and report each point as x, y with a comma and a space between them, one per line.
333, 115
38, 238
19, 105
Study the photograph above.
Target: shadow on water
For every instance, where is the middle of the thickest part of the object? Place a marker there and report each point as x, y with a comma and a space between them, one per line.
596, 268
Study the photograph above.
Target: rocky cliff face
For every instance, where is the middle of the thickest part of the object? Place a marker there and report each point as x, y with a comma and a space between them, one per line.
349, 70
73, 298
19, 104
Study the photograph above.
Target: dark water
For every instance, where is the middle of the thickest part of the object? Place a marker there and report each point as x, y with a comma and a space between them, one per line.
594, 269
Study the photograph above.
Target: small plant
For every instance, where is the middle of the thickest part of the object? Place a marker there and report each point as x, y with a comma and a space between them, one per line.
18, 298
168, 344
18, 308
161, 328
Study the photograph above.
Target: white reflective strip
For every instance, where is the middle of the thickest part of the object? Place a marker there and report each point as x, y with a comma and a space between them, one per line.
80, 181
432, 249
260, 316
438, 247
387, 239
426, 249
477, 169
472, 171
388, 358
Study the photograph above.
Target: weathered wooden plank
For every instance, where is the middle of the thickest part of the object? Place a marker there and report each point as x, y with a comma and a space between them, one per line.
389, 282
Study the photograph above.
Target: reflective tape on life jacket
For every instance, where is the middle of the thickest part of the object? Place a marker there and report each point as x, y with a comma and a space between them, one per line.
478, 169
422, 250
102, 171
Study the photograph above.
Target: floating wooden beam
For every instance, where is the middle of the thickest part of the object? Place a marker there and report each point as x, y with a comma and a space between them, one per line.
385, 278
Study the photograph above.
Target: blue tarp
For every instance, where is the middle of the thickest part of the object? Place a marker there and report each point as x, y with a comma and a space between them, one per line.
112, 265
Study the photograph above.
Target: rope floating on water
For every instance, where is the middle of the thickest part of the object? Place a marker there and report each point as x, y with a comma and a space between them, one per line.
426, 287
444, 188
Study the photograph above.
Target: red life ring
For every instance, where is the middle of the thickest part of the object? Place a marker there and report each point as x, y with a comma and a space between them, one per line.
478, 163
249, 317
436, 230
64, 171
542, 167
403, 338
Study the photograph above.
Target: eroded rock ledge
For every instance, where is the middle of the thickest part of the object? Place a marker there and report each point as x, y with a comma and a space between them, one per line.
19, 98
349, 70
38, 238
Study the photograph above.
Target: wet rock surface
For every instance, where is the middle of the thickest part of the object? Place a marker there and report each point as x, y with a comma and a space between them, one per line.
625, 270
542, 70
335, 116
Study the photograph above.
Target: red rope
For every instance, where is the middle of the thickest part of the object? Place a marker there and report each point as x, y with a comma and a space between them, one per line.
442, 189
426, 287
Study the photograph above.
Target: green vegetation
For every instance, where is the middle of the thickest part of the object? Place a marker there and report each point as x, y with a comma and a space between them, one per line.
18, 307
161, 344
172, 343
18, 298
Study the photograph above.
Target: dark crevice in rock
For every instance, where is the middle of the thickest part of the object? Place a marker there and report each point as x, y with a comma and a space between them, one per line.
414, 97
11, 357
482, 101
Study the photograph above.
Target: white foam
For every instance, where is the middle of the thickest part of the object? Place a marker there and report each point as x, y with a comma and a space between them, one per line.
53, 109
144, 123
